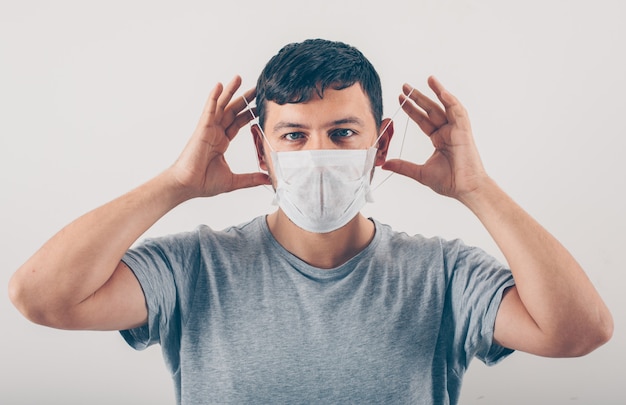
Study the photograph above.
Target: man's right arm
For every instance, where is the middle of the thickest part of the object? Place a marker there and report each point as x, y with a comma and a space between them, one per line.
77, 280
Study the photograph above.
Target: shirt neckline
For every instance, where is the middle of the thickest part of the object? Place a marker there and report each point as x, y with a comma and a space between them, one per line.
316, 272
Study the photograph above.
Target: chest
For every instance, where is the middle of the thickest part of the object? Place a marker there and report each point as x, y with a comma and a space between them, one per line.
369, 339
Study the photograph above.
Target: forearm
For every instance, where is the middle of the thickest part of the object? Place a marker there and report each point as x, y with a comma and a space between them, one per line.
79, 259
553, 310
552, 286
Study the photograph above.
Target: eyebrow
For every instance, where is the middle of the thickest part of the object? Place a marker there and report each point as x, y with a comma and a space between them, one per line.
347, 120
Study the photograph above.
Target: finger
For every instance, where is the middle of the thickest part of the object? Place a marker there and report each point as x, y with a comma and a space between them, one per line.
252, 112
418, 116
226, 96
246, 99
208, 112
443, 95
249, 180
239, 122
455, 111
239, 104
404, 168
434, 111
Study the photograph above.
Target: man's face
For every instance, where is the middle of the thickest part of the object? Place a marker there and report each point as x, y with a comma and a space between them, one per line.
342, 119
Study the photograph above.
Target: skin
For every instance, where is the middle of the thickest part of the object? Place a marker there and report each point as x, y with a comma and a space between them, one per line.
341, 120
553, 310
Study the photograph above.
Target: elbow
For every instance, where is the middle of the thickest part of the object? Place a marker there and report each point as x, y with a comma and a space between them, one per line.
19, 296
32, 304
591, 337
599, 335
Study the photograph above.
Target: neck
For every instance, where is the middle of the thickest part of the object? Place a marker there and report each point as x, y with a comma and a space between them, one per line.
322, 250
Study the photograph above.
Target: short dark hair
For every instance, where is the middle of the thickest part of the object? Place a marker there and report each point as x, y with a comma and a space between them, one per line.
299, 69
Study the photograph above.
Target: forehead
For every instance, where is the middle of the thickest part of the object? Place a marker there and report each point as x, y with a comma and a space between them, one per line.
334, 106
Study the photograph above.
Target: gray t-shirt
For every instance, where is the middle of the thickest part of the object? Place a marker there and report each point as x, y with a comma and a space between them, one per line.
242, 320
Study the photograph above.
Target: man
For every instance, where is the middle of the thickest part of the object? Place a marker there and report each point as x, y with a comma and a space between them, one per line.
315, 303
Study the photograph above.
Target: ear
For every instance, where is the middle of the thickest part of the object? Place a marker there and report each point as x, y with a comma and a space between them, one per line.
383, 142
257, 136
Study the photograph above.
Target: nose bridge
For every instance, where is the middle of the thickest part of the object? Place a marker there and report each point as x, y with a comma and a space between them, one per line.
319, 139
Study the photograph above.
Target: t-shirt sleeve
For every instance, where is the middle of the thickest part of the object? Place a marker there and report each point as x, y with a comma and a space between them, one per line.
154, 272
166, 269
477, 284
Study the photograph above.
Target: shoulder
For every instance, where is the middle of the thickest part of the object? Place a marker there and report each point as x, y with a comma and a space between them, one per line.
451, 255
417, 243
203, 234
202, 243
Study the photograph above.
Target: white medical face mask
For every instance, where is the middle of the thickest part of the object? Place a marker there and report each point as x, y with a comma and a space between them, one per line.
321, 190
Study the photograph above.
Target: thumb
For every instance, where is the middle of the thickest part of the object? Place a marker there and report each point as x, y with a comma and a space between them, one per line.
404, 168
250, 180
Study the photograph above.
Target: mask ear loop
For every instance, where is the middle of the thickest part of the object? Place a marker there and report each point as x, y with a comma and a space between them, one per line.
406, 98
255, 119
406, 126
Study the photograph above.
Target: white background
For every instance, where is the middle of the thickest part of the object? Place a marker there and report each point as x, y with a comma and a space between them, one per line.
97, 97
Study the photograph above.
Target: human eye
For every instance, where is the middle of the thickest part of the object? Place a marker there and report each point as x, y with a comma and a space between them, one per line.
342, 133
293, 136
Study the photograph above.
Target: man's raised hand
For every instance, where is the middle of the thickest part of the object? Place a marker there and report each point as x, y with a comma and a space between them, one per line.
201, 170
455, 168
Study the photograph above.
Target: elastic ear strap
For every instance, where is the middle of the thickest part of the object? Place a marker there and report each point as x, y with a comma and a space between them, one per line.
255, 118
264, 137
406, 97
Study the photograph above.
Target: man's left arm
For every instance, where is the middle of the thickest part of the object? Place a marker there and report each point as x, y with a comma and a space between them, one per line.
553, 310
